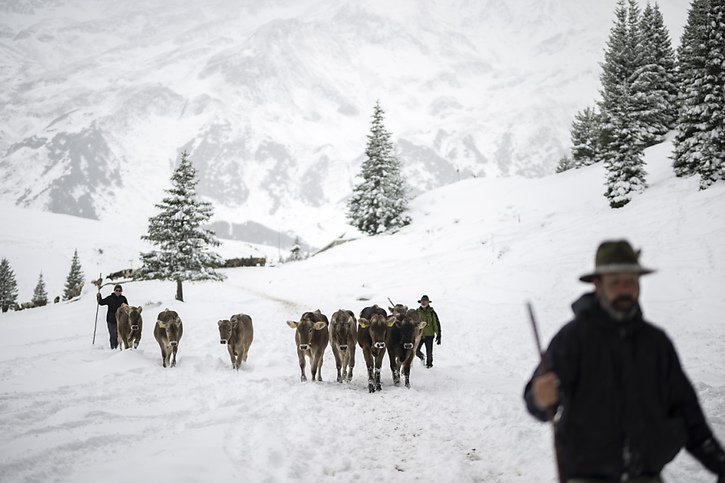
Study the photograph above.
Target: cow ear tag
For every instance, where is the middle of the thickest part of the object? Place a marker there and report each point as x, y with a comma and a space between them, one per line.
161, 324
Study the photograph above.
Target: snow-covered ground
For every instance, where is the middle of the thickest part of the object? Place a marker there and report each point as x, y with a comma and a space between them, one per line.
481, 248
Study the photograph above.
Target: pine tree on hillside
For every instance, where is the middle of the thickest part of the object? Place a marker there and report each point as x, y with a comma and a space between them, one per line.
584, 138
8, 286
654, 85
619, 134
380, 201
183, 253
711, 165
40, 296
625, 168
75, 279
565, 164
691, 61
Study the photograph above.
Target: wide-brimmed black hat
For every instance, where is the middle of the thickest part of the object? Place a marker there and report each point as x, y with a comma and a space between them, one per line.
424, 297
613, 257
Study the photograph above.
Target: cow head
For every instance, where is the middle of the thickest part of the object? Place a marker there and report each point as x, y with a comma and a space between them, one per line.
342, 327
225, 330
170, 322
306, 328
134, 317
410, 326
377, 327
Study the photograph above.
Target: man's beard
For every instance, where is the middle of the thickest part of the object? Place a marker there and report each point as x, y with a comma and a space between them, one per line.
622, 308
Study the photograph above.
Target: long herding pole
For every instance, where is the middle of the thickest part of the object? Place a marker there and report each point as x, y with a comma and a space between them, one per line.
542, 363
95, 323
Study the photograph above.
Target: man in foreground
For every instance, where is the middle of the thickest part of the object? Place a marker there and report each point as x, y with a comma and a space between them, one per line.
622, 405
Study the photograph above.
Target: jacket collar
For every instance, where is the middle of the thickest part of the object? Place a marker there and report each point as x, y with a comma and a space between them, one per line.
588, 307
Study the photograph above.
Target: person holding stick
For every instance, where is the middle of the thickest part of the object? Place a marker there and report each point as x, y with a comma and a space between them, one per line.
624, 406
113, 301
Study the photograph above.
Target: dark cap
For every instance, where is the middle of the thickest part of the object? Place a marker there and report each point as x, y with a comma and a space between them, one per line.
613, 257
117, 287
424, 297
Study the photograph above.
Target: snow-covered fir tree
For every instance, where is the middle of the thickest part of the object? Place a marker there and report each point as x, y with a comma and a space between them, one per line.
296, 250
620, 147
654, 83
380, 201
565, 164
40, 296
584, 137
183, 245
75, 279
691, 65
711, 165
8, 286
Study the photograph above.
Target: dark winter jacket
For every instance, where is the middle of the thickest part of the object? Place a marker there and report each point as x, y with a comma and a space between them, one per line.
627, 407
113, 303
433, 325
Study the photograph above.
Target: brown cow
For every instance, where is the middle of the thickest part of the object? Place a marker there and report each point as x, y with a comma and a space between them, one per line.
373, 325
401, 340
343, 339
128, 326
168, 332
237, 333
311, 337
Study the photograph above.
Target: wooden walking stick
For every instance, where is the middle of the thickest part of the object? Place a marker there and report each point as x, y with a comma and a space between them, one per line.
551, 411
95, 323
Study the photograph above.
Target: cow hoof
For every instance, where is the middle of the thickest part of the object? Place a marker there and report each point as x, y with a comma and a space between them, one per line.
371, 389
379, 387
303, 379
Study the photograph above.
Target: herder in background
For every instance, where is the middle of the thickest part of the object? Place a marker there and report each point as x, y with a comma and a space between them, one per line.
113, 301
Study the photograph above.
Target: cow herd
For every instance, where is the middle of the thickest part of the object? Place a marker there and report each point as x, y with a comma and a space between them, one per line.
375, 331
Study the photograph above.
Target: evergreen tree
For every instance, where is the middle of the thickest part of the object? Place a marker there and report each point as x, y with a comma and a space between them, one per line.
654, 85
379, 202
75, 280
8, 286
183, 244
296, 250
711, 165
584, 137
625, 166
691, 62
40, 296
565, 164
619, 135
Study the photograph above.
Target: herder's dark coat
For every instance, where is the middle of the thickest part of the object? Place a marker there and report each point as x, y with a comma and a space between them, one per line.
627, 405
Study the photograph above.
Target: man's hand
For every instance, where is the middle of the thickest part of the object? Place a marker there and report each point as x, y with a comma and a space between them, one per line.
438, 339
545, 389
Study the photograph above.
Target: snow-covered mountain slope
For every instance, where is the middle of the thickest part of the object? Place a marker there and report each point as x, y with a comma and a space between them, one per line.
273, 99
481, 248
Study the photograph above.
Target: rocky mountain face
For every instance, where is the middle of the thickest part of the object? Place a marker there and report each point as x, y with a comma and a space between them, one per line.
273, 99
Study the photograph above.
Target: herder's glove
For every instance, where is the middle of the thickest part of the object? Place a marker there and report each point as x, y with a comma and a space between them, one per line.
438, 339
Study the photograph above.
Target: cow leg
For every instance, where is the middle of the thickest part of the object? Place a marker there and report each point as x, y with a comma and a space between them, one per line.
345, 361
351, 363
173, 355
245, 351
301, 357
164, 356
236, 359
231, 354
378, 366
394, 367
406, 369
317, 366
338, 362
